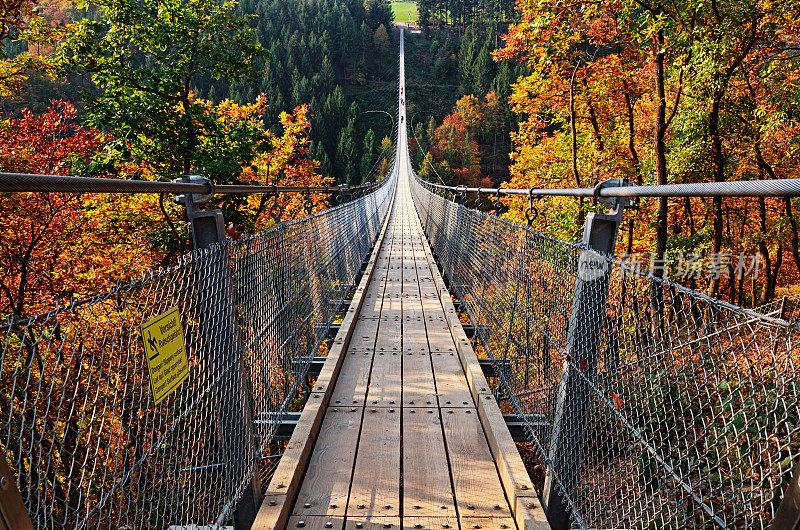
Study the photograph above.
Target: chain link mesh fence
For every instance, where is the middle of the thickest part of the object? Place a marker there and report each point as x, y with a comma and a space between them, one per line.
648, 404
79, 425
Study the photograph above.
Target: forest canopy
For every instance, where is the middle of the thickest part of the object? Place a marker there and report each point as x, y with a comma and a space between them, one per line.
539, 94
236, 92
665, 92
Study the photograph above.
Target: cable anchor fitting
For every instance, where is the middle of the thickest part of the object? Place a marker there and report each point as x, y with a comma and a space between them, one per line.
499, 207
276, 210
531, 213
308, 204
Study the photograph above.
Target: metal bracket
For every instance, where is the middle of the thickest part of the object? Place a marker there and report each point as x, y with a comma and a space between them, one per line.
568, 431
613, 203
208, 226
197, 198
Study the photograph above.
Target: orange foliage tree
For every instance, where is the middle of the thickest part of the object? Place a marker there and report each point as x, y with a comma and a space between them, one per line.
53, 245
38, 228
286, 162
453, 156
662, 93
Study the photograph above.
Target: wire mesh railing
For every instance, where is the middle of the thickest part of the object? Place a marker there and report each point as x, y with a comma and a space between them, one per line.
648, 404
91, 447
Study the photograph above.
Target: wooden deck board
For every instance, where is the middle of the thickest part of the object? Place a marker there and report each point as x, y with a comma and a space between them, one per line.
426, 475
475, 479
451, 384
351, 386
413, 522
377, 522
385, 383
316, 522
376, 477
419, 389
391, 330
487, 523
327, 481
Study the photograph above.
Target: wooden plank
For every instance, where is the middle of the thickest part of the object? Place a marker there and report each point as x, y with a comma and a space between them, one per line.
439, 338
375, 489
272, 506
385, 383
413, 522
390, 331
411, 295
377, 522
327, 480
477, 487
412, 309
529, 514
487, 523
415, 337
395, 276
372, 306
419, 389
316, 522
451, 385
366, 329
351, 385
392, 308
426, 475
437, 318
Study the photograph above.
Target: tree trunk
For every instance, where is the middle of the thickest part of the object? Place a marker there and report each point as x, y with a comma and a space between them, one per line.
764, 251
191, 134
773, 280
787, 201
574, 144
634, 158
659, 144
718, 161
595, 126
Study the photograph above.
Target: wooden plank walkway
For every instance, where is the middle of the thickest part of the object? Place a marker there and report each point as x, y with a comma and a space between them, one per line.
407, 442
401, 442
401, 430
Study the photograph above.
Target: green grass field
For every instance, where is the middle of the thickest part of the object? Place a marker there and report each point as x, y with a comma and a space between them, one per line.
404, 11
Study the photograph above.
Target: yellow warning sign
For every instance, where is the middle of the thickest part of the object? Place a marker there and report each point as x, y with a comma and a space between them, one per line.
165, 352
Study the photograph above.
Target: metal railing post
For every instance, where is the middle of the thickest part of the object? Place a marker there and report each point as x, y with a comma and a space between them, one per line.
217, 318
580, 365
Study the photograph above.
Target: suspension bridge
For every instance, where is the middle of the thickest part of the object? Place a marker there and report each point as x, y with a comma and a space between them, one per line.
389, 353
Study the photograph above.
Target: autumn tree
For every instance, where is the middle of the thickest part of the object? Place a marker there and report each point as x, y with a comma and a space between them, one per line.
453, 155
386, 158
382, 42
21, 20
145, 57
732, 41
38, 228
657, 93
